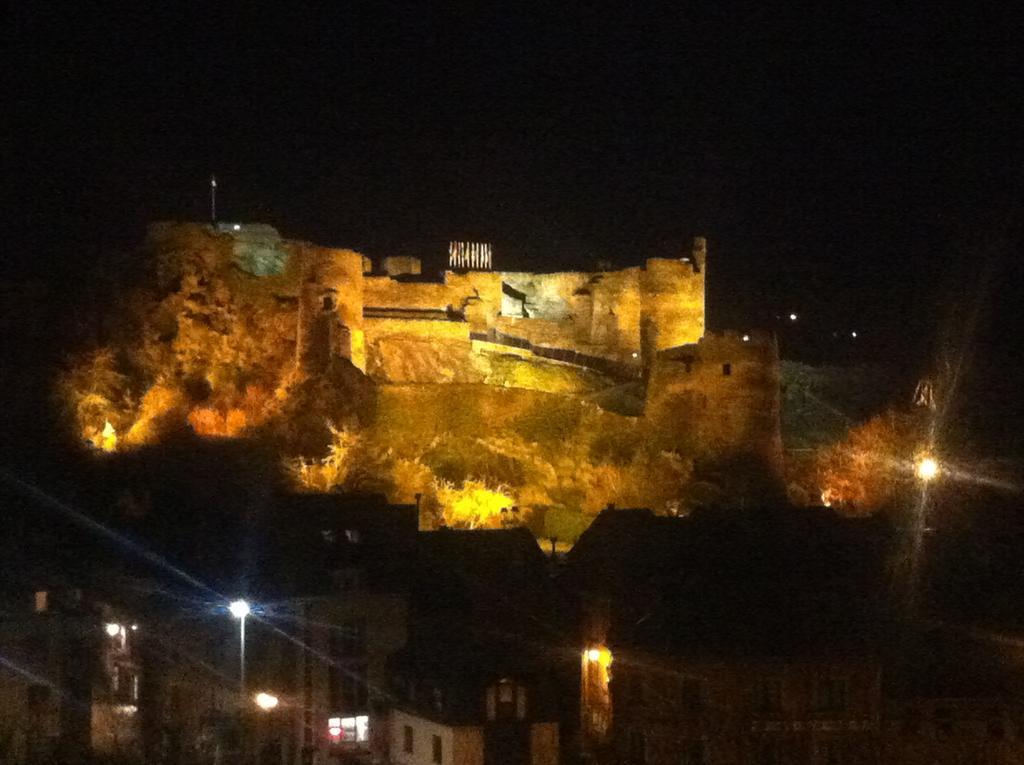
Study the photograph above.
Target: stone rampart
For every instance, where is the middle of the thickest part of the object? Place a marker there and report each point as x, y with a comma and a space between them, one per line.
721, 394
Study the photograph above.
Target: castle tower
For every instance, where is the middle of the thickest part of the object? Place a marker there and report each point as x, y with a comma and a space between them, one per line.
330, 322
672, 301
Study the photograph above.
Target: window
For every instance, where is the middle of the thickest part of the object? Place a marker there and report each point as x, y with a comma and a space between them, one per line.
328, 303
436, 749
42, 601
768, 695
353, 536
125, 683
355, 729
726, 369
407, 739
831, 694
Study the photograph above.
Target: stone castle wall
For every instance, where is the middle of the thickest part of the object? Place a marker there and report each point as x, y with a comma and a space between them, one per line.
703, 392
723, 392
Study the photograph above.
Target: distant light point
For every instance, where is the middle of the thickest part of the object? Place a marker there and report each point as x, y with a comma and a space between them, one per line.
792, 317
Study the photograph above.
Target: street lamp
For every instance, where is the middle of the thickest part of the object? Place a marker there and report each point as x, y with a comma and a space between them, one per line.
240, 609
266, 701
926, 468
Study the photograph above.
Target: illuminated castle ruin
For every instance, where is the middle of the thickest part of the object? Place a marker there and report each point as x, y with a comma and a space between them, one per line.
567, 390
572, 332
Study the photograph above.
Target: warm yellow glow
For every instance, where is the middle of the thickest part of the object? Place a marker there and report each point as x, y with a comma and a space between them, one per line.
473, 504
266, 701
108, 438
927, 468
600, 656
329, 472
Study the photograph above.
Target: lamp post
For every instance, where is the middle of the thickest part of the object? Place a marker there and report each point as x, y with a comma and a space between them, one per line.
240, 609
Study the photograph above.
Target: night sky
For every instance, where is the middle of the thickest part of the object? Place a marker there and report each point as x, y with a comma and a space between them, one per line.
860, 169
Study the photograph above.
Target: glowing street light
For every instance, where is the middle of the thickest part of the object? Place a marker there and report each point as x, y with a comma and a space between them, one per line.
266, 701
926, 469
113, 629
792, 317
240, 609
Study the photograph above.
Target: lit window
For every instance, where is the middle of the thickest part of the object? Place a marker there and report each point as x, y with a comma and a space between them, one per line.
349, 730
42, 598
506, 700
355, 728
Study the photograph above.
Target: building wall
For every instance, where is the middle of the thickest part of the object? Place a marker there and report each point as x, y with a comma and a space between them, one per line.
331, 300
544, 744
665, 708
385, 621
952, 730
398, 265
459, 745
722, 392
672, 295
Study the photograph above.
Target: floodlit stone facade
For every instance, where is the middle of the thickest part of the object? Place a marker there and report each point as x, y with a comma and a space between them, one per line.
562, 392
